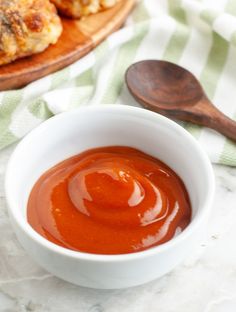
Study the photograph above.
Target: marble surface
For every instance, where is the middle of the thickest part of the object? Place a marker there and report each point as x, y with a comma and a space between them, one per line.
205, 282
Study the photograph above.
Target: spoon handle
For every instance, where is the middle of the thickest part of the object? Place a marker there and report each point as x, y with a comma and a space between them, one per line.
215, 119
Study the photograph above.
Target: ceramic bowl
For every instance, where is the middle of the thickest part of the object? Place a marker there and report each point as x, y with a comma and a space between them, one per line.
73, 132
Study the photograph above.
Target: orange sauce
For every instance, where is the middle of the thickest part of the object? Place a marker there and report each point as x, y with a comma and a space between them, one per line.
109, 200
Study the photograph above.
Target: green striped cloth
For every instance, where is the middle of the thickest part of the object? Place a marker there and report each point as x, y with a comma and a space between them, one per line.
199, 35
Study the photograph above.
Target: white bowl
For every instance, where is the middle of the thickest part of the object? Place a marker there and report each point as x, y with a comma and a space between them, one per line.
71, 133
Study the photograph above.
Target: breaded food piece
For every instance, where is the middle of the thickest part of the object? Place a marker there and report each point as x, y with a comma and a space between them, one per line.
27, 27
79, 8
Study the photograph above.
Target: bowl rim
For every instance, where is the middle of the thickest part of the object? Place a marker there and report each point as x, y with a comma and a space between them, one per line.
142, 113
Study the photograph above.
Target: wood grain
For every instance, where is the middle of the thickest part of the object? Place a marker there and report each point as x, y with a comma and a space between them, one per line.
78, 38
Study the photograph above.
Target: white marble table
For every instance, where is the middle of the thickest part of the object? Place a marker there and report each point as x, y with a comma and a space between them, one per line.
205, 282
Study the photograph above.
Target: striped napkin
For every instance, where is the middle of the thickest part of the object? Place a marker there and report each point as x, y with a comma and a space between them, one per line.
199, 35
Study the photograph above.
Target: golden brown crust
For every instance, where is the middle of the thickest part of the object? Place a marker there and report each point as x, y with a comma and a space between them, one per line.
26, 27
34, 22
79, 8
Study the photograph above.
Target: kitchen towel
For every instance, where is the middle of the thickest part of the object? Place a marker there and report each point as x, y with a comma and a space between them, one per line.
197, 34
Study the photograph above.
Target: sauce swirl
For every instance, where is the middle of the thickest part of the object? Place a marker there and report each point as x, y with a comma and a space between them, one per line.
109, 200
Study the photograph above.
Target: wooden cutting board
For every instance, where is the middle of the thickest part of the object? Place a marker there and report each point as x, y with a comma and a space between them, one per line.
78, 38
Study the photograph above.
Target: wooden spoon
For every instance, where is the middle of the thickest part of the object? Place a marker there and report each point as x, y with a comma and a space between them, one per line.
173, 91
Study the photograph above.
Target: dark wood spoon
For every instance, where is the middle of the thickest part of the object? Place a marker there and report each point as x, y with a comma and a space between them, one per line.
173, 91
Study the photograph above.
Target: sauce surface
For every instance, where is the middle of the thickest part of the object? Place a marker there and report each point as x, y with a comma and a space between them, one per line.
109, 200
